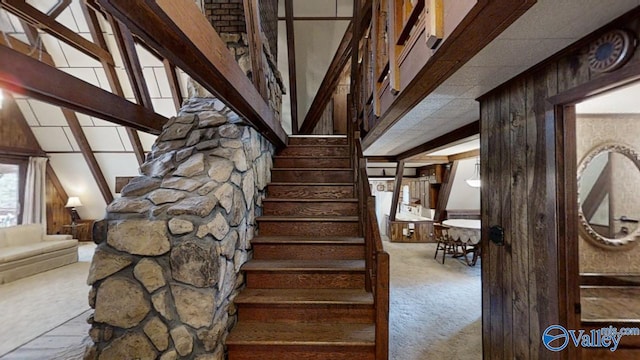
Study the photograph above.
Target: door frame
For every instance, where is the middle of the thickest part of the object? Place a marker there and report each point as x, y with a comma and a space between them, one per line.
567, 189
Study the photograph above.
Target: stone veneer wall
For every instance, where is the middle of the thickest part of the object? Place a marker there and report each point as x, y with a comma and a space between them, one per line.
166, 269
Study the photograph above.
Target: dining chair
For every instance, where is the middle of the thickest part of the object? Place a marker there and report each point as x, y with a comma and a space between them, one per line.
444, 242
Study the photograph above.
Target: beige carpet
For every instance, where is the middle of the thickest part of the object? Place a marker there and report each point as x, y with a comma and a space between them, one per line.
435, 310
36, 304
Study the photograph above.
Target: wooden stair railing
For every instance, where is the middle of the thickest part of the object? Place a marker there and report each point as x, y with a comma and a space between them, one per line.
376, 259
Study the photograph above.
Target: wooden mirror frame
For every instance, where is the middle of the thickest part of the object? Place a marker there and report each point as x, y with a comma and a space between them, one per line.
586, 230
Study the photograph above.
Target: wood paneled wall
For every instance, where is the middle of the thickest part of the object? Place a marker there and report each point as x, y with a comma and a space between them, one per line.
17, 139
528, 167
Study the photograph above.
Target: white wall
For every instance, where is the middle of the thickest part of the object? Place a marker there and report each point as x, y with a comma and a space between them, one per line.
463, 196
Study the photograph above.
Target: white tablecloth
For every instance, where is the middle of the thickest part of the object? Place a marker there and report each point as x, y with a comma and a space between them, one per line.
464, 230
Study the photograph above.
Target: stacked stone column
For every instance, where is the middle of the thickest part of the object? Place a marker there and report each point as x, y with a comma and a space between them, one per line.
166, 269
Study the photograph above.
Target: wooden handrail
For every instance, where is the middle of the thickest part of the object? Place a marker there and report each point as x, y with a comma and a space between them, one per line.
376, 259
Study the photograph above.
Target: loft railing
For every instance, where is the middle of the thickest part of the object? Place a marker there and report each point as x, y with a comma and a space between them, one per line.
376, 259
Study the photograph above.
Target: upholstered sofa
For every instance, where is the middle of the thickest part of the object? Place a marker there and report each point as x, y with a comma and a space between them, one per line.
26, 250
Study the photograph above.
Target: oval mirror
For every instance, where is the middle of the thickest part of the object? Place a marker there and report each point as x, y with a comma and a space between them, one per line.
609, 196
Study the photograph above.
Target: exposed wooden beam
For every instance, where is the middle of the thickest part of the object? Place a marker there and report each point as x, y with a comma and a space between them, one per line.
87, 153
81, 140
175, 29
396, 191
381, 159
112, 76
58, 8
455, 135
429, 159
465, 155
174, 83
485, 21
26, 49
30, 14
445, 192
22, 74
329, 82
131, 61
252, 21
316, 18
291, 57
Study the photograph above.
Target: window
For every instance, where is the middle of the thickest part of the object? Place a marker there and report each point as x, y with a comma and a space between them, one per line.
12, 177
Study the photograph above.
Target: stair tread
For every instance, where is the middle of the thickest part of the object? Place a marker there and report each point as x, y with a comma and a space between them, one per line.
344, 200
305, 296
310, 157
307, 240
310, 169
332, 334
316, 145
307, 218
280, 183
304, 265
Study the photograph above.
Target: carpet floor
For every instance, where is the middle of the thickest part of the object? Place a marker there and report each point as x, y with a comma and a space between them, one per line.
34, 305
435, 309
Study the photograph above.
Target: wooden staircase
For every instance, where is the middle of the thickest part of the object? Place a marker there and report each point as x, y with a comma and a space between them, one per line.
306, 287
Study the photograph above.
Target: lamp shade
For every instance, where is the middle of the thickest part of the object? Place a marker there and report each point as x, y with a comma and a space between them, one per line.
73, 201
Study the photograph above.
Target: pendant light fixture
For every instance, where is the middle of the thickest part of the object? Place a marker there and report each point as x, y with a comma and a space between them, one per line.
474, 181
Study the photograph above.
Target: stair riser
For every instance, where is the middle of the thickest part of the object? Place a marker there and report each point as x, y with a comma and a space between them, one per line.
261, 352
302, 228
307, 313
312, 176
307, 252
317, 141
310, 192
304, 280
312, 163
310, 208
317, 151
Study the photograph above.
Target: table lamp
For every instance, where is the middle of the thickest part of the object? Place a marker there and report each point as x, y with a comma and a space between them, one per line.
73, 203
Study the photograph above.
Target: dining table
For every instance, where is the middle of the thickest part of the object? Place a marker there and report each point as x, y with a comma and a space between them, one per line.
466, 233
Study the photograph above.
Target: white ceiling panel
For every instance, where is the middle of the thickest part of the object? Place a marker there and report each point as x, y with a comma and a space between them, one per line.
103, 138
113, 165
66, 18
162, 82
48, 115
84, 120
72, 139
283, 67
113, 47
147, 140
281, 11
83, 73
124, 137
75, 9
344, 7
125, 84
28, 114
42, 5
152, 84
5, 23
102, 79
53, 48
313, 8
146, 58
52, 138
102, 123
619, 101
76, 58
164, 107
76, 179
